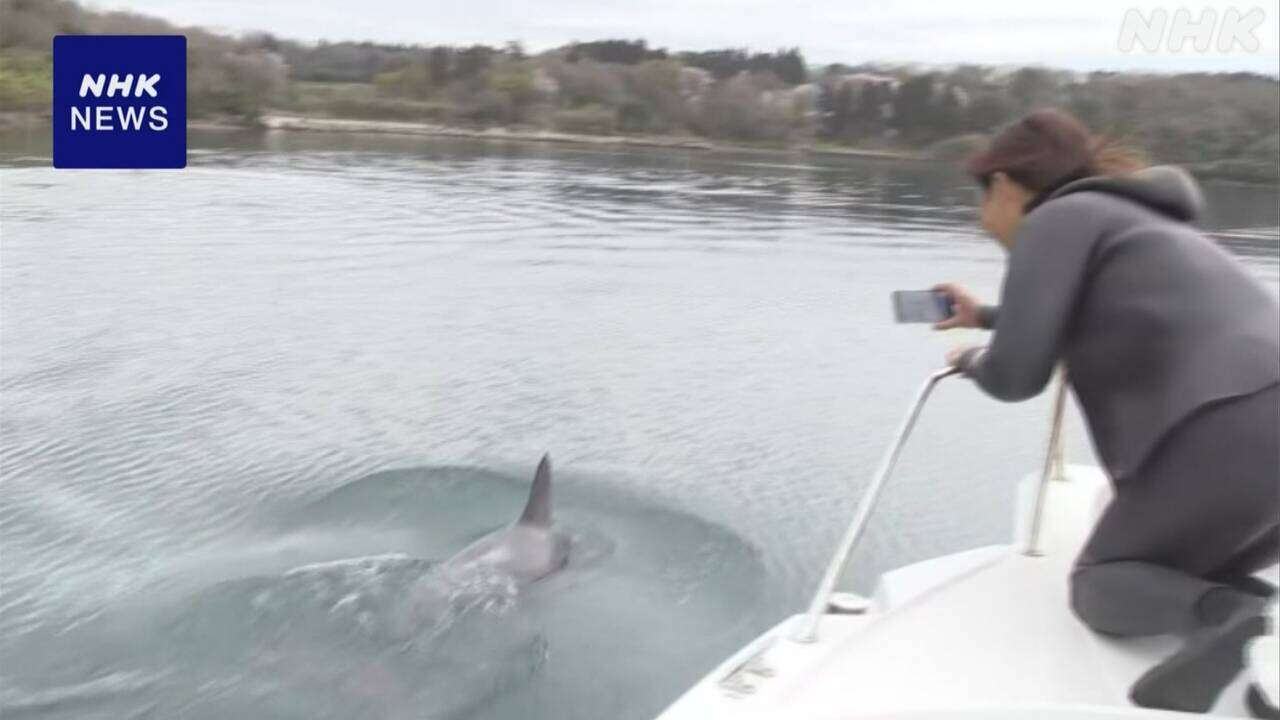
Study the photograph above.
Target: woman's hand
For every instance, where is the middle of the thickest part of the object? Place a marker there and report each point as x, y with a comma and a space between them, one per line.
955, 355
964, 305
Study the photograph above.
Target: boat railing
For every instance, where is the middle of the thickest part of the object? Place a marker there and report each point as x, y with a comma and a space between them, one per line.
807, 629
1052, 467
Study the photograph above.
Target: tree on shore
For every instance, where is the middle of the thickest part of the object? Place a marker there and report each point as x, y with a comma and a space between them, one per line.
624, 85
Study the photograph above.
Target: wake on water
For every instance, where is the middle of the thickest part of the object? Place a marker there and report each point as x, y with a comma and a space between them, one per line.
367, 637
392, 634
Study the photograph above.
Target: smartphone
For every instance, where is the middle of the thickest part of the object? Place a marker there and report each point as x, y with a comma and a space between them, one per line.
921, 306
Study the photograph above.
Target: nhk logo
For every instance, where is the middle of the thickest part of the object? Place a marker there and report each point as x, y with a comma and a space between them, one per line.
100, 117
119, 101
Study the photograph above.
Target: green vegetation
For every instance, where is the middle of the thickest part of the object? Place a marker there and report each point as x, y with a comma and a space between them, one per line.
226, 77
1221, 124
359, 101
25, 80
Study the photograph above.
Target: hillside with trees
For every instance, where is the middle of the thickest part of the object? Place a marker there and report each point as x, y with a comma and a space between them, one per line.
1223, 124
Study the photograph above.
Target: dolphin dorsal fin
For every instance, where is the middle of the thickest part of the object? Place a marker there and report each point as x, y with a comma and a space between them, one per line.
537, 511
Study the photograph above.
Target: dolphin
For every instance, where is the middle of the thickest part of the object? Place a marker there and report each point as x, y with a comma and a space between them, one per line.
527, 550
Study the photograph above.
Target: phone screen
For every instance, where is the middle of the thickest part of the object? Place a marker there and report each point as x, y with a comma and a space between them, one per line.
920, 306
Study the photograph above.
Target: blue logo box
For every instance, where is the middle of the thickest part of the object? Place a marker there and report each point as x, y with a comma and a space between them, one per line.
120, 101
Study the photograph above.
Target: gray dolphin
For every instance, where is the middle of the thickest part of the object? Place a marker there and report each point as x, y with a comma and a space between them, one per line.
527, 550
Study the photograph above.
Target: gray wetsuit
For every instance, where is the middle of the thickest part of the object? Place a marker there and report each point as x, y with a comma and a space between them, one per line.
1173, 351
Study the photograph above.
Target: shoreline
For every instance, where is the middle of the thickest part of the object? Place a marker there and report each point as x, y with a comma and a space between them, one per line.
300, 123
1213, 170
1224, 170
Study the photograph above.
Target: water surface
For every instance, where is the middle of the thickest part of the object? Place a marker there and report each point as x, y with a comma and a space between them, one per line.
248, 406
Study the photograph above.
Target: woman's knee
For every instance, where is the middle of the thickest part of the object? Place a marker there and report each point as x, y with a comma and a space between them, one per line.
1089, 601
1116, 598
1136, 598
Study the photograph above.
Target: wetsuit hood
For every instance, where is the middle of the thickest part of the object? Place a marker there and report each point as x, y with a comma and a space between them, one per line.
1166, 189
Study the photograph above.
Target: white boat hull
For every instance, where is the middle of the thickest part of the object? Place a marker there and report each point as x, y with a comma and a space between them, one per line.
983, 633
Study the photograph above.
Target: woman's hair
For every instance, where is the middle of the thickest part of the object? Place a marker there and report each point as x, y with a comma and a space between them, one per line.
1048, 149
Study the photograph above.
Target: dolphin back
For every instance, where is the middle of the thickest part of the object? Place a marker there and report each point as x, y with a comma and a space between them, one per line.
537, 512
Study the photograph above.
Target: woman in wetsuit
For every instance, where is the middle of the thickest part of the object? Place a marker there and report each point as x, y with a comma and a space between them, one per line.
1173, 351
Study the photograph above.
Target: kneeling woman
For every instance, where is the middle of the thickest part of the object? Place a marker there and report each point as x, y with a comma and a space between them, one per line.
1173, 351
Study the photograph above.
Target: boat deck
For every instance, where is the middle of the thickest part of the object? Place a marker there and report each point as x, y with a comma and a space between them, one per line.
986, 633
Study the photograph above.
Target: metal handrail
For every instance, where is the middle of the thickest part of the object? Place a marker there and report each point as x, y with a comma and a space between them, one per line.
807, 630
1052, 467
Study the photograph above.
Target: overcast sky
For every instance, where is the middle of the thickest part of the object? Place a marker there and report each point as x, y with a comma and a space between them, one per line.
1076, 34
